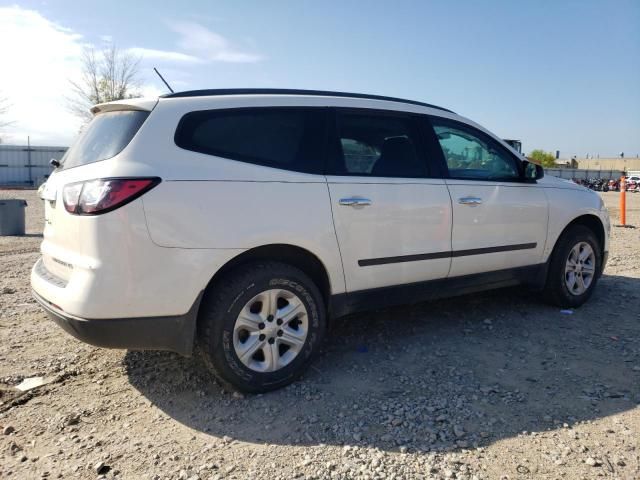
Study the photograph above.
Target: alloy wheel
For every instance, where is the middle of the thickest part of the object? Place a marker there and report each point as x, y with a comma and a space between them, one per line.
580, 268
270, 330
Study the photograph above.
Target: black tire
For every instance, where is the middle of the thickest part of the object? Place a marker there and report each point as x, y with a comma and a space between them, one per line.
219, 311
556, 290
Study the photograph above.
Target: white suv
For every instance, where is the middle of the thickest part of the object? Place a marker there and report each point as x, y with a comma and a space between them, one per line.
240, 221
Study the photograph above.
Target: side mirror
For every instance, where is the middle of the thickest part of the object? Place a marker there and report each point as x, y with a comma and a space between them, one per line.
532, 171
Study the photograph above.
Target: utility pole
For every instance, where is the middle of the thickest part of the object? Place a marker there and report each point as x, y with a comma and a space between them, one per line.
29, 159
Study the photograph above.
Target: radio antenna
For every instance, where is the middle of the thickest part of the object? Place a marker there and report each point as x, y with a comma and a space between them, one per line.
163, 80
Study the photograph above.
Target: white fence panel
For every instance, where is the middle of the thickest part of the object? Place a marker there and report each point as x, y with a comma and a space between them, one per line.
27, 166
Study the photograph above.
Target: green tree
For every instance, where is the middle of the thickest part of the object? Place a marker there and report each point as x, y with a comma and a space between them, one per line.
546, 159
107, 75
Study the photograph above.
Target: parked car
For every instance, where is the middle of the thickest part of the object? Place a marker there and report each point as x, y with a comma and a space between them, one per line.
632, 183
241, 221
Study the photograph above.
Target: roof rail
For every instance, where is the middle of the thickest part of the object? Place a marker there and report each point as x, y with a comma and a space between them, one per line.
286, 91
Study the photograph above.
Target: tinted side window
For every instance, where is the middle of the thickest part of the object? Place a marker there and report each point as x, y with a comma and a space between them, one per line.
287, 138
378, 144
472, 155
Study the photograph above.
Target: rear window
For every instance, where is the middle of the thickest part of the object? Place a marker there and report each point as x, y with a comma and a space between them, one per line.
280, 137
105, 137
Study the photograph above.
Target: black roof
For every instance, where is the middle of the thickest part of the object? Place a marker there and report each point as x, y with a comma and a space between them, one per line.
286, 91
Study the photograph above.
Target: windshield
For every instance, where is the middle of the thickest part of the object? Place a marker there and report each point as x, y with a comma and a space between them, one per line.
105, 136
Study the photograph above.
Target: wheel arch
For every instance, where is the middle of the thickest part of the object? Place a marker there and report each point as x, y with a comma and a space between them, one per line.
590, 221
593, 223
298, 257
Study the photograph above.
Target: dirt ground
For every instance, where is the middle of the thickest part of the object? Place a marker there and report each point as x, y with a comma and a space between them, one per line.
490, 386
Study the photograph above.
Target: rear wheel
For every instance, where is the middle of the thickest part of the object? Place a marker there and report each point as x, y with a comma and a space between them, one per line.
575, 267
261, 325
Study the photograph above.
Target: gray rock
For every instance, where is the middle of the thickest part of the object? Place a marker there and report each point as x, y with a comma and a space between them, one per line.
100, 467
14, 448
593, 462
8, 430
71, 419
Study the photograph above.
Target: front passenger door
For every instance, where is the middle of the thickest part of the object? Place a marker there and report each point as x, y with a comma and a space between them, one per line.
499, 221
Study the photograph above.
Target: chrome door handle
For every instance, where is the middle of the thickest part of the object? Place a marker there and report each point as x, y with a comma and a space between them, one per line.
355, 202
471, 201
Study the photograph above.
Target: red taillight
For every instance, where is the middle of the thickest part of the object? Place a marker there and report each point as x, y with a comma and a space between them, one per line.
94, 197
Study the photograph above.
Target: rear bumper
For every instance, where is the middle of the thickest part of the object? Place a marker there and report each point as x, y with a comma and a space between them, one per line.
175, 334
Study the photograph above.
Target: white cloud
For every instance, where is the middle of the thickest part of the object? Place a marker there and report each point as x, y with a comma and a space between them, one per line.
38, 58
163, 55
210, 45
150, 90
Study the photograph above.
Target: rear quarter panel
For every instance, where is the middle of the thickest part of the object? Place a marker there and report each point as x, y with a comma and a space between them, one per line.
245, 214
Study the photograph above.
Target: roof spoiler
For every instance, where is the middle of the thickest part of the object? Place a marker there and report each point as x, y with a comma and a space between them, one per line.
144, 104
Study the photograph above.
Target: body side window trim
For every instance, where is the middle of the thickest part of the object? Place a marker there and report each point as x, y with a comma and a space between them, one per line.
434, 156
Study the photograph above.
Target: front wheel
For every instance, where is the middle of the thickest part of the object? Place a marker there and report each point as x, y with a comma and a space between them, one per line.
261, 325
575, 267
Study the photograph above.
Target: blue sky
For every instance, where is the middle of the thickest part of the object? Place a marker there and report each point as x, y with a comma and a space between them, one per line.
557, 74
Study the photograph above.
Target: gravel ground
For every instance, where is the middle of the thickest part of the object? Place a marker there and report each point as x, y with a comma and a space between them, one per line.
489, 386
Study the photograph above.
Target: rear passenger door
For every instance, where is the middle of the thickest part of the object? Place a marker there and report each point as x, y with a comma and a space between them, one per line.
392, 217
499, 221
